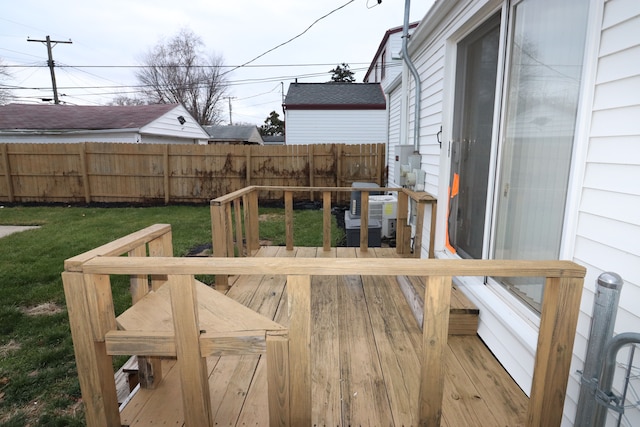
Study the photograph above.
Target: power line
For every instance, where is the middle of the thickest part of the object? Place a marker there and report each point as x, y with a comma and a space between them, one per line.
292, 38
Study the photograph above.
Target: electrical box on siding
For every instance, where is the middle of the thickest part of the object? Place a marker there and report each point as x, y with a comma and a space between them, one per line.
401, 158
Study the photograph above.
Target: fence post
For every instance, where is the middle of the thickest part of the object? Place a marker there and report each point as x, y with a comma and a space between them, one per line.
7, 171
605, 307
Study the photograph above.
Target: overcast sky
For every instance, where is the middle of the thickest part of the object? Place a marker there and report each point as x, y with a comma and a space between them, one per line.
110, 37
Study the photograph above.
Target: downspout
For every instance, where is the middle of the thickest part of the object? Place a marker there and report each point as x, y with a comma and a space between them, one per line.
414, 73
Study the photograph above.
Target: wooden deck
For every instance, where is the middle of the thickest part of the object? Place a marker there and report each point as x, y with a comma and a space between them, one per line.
365, 368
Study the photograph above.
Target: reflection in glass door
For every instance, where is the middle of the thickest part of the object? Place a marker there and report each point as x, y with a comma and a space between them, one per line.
477, 67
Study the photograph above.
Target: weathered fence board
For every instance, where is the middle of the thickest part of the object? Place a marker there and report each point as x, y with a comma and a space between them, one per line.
159, 173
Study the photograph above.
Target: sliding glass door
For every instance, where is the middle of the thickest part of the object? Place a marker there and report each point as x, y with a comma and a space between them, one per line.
518, 201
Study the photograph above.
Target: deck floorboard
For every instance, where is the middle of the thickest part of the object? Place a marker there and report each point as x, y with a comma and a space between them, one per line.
365, 349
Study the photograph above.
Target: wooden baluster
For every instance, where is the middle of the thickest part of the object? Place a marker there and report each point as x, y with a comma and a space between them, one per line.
288, 219
238, 217
364, 221
326, 221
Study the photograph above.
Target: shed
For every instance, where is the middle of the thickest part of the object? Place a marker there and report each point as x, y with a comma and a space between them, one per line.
151, 124
349, 113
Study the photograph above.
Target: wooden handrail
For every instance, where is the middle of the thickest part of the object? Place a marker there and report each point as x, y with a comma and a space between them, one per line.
332, 267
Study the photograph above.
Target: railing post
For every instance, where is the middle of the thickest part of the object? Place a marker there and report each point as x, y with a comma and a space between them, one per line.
403, 232
95, 369
603, 319
219, 240
435, 330
238, 217
193, 367
558, 321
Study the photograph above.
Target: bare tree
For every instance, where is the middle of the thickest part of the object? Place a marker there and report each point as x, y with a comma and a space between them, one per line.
5, 93
177, 71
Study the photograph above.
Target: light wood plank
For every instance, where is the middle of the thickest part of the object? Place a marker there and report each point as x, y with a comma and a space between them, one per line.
364, 399
238, 218
325, 352
299, 297
505, 401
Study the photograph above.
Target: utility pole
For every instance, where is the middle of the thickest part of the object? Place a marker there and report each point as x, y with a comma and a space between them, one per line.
230, 109
50, 62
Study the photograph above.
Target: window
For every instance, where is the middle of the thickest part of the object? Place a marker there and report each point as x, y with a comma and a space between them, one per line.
521, 215
383, 64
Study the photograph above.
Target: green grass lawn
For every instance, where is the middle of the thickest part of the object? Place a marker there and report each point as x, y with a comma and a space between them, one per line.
38, 381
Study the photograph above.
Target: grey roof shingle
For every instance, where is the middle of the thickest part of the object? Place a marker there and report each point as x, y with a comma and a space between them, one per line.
232, 132
61, 117
335, 96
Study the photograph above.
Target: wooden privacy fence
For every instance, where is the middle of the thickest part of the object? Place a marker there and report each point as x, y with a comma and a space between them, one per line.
170, 173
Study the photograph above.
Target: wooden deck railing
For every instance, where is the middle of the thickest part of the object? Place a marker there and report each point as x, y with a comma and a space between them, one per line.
88, 294
241, 207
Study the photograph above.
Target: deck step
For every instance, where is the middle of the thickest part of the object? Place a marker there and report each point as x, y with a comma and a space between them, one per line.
463, 316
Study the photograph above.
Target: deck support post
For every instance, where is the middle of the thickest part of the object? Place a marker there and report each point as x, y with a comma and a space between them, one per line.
435, 328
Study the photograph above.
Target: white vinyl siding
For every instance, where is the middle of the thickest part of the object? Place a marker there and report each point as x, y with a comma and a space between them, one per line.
336, 126
395, 117
608, 227
168, 125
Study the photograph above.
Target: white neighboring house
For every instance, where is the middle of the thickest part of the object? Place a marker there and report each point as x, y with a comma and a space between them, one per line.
538, 102
387, 62
387, 69
324, 113
149, 124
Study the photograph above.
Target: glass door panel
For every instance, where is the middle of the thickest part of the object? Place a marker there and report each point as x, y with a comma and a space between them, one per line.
542, 93
477, 68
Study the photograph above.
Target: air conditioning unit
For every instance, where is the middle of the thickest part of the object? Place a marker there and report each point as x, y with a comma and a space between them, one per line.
384, 208
354, 207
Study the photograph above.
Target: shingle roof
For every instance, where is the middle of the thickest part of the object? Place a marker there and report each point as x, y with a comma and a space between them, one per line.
230, 132
59, 117
338, 96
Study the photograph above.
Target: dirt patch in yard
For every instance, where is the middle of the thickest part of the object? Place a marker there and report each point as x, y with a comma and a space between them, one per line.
44, 309
271, 217
9, 347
